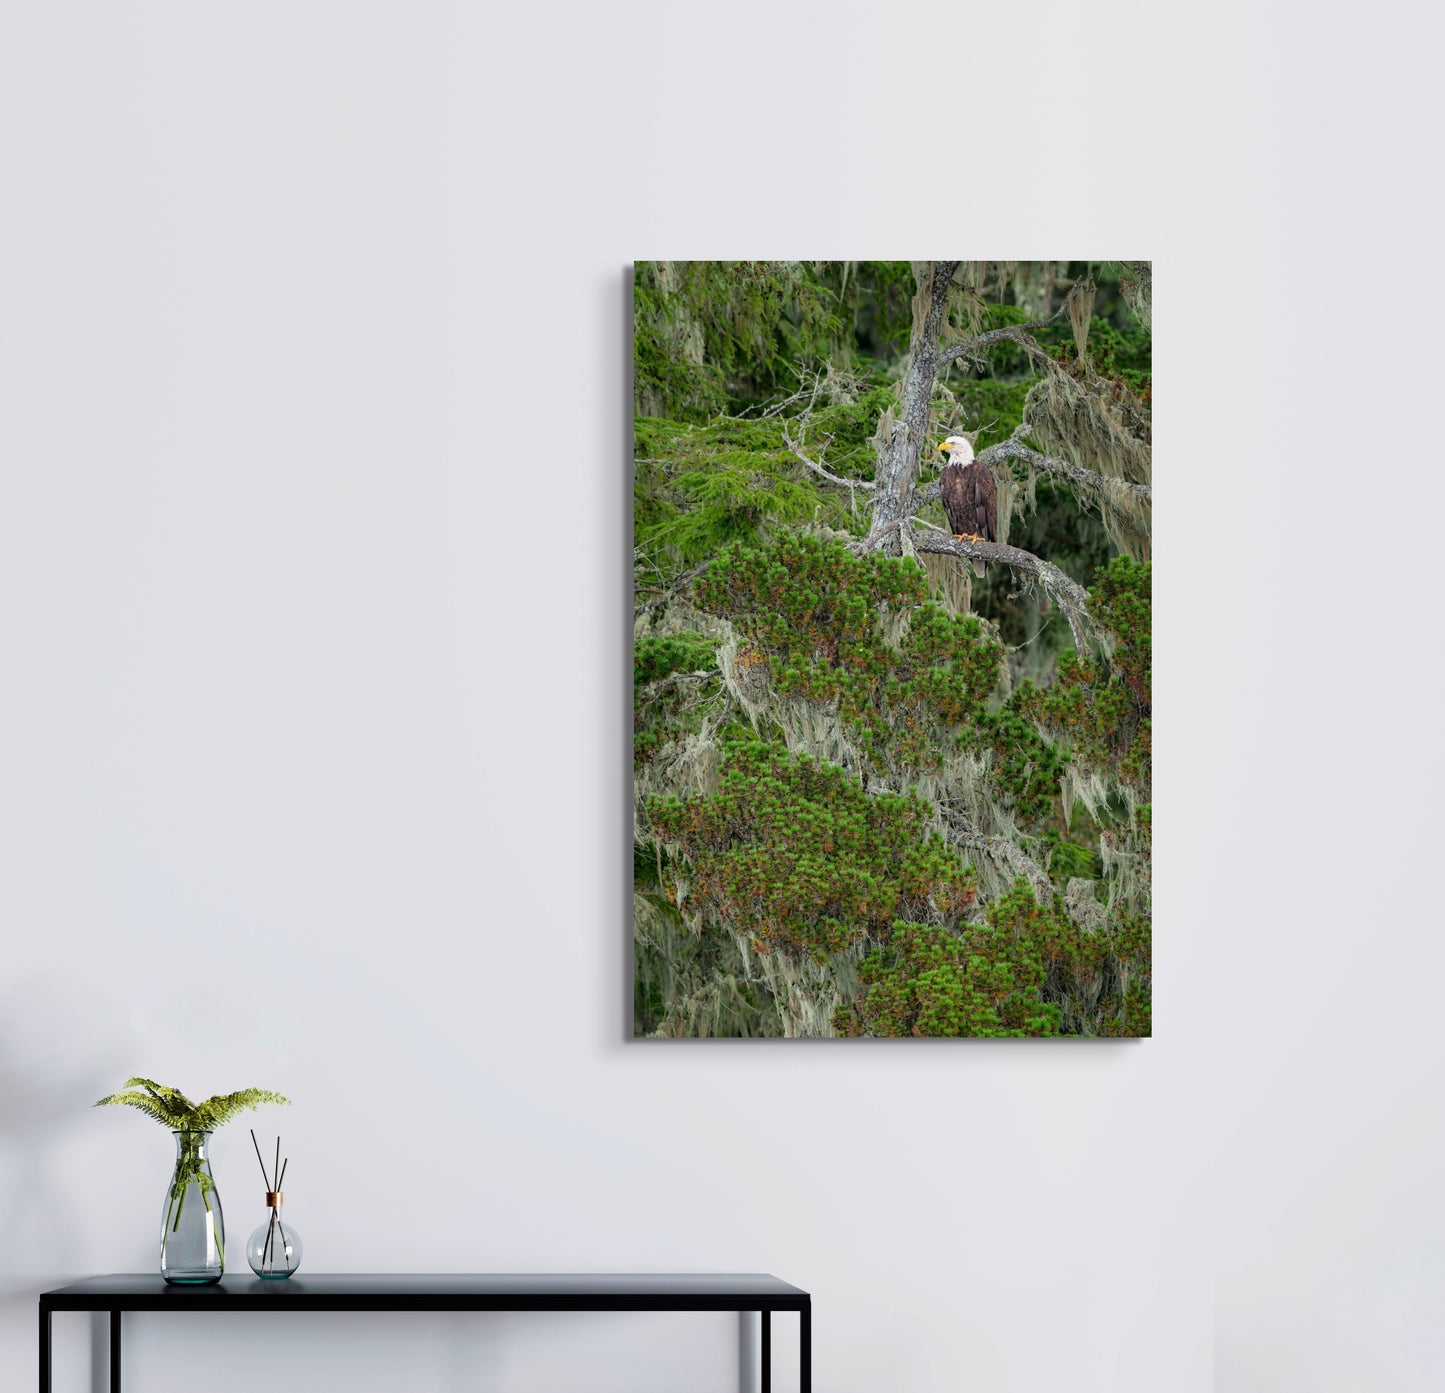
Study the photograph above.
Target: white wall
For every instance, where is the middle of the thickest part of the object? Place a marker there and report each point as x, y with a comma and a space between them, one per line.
312, 726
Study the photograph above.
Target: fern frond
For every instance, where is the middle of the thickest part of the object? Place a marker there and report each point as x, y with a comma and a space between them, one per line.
215, 1112
171, 1108
141, 1101
171, 1098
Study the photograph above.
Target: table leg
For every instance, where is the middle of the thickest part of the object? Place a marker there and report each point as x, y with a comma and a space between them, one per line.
805, 1349
44, 1350
765, 1366
115, 1352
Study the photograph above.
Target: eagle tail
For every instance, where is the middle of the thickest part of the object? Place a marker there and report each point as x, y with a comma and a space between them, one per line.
978, 568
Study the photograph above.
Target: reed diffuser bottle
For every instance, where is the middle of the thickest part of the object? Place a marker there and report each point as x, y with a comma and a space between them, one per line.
274, 1249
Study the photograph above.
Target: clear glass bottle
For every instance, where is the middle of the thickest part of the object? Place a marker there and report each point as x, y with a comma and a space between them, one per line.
274, 1250
193, 1230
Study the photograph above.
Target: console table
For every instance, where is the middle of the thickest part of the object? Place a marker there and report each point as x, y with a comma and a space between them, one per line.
728, 1291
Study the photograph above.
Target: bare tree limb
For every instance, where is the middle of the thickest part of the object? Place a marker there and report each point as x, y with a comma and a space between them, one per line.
796, 446
1061, 468
878, 536
1011, 333
677, 679
1063, 589
1014, 856
1070, 596
677, 587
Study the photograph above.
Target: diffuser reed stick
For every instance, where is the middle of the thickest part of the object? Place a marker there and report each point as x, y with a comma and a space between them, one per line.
273, 1201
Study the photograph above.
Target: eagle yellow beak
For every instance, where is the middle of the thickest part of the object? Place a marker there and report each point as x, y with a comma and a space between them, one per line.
943, 445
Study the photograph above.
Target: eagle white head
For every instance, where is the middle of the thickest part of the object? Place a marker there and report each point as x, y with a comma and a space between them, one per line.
958, 448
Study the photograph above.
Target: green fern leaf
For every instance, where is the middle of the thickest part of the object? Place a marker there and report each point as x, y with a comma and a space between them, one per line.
219, 1110
172, 1099
172, 1109
141, 1101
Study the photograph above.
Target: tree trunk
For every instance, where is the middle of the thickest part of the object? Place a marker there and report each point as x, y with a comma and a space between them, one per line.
899, 459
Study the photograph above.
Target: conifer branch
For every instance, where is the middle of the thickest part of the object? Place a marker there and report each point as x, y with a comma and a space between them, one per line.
795, 446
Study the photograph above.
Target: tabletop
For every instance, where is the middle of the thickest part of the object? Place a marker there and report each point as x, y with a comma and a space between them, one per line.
446, 1291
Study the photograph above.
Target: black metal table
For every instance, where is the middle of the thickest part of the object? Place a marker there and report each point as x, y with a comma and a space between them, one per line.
407, 1291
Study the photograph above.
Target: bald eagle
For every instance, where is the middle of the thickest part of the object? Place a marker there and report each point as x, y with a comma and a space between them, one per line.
970, 495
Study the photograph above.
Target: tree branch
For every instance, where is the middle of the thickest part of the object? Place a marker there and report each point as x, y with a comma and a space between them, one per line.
677, 587
1011, 333
1070, 596
877, 537
1064, 469
929, 493
796, 447
1015, 856
676, 679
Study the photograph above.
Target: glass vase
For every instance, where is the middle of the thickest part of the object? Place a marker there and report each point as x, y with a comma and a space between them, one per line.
193, 1231
274, 1250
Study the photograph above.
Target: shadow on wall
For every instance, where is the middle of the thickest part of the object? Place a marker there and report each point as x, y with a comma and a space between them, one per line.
64, 1039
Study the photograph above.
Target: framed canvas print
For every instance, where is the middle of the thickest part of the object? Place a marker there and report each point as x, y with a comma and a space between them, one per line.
891, 649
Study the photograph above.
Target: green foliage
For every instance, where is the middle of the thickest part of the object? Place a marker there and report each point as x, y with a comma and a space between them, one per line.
986, 979
818, 616
995, 404
792, 853
171, 1108
699, 488
709, 335
654, 657
1101, 706
720, 336
1069, 860
1027, 969
660, 716
1122, 357
1026, 766
880, 296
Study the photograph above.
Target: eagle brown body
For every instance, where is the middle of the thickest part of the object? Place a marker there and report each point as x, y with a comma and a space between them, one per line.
970, 497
